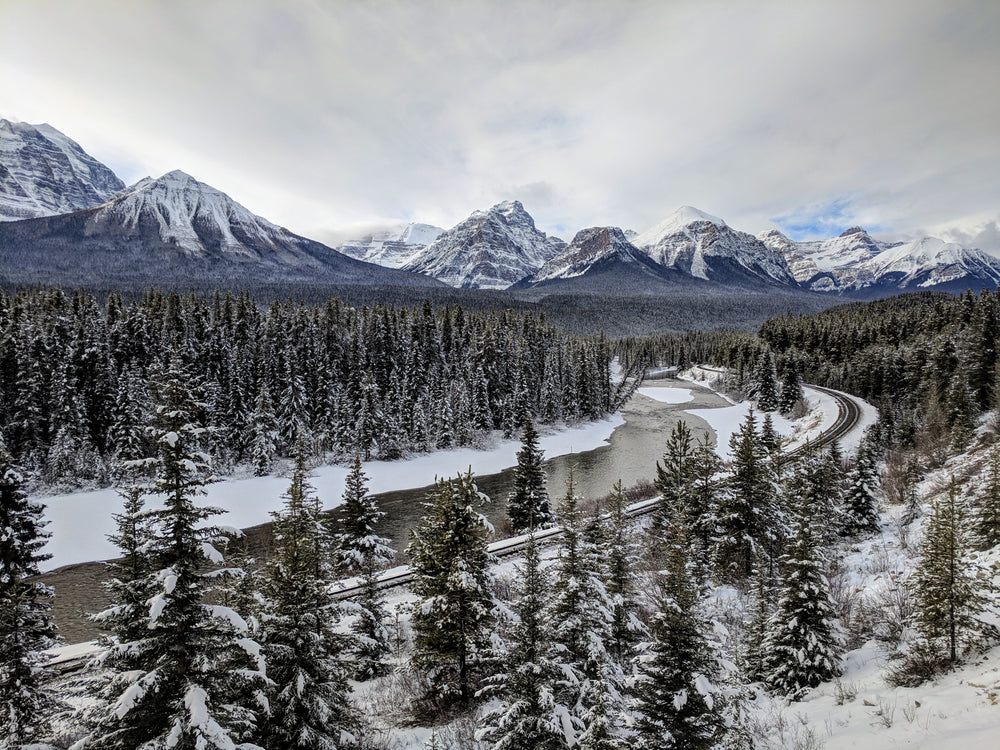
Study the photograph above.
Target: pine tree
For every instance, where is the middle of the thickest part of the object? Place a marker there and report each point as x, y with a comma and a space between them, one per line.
264, 435
621, 553
581, 605
308, 694
528, 686
801, 648
748, 522
759, 613
703, 502
674, 480
764, 387
987, 520
861, 516
791, 389
769, 437
528, 505
26, 626
947, 594
450, 562
677, 702
192, 677
362, 552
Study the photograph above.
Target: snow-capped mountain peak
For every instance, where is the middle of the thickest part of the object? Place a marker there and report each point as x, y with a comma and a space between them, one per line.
43, 173
491, 249
392, 246
704, 246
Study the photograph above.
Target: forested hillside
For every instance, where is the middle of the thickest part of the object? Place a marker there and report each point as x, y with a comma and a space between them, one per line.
377, 380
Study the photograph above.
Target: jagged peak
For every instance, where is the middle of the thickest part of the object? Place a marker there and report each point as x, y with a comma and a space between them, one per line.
853, 230
676, 223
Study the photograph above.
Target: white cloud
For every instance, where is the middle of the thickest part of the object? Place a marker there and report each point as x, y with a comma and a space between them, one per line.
318, 114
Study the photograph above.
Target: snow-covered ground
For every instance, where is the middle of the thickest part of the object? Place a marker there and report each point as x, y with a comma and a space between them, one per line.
80, 521
667, 395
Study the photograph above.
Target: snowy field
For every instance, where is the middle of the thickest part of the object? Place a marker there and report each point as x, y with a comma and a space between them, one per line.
80, 521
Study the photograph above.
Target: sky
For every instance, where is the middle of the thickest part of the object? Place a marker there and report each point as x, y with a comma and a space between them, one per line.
329, 115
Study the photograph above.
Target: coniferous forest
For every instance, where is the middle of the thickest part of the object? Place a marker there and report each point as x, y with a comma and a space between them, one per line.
663, 631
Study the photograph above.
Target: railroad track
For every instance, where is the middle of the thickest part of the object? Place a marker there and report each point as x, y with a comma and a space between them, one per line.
848, 415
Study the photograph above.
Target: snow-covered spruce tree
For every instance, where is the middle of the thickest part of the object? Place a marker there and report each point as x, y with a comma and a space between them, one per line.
947, 594
362, 552
190, 680
761, 592
528, 685
791, 389
987, 519
450, 561
602, 724
306, 665
769, 437
860, 514
621, 554
801, 647
674, 477
528, 505
764, 385
815, 487
703, 502
676, 700
748, 522
582, 611
26, 626
264, 435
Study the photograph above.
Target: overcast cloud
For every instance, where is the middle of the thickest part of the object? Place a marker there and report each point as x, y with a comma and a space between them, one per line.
808, 116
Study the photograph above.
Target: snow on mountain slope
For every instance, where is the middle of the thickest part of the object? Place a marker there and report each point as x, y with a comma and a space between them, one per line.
490, 250
705, 247
854, 261
596, 248
930, 262
43, 173
175, 228
394, 246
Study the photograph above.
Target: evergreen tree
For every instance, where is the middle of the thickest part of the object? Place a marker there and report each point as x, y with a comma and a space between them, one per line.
987, 520
801, 648
528, 505
769, 437
947, 594
764, 387
621, 553
308, 694
450, 562
677, 702
26, 626
791, 389
674, 478
747, 520
189, 681
860, 515
759, 614
362, 552
703, 502
581, 606
264, 433
530, 714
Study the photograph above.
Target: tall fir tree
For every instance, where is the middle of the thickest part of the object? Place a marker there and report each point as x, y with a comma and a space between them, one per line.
791, 389
26, 625
621, 577
264, 435
860, 514
193, 677
674, 480
764, 386
987, 518
450, 561
581, 606
947, 593
802, 646
362, 552
677, 702
308, 695
528, 505
748, 522
530, 714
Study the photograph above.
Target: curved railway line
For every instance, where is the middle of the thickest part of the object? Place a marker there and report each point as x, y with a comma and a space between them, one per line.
848, 416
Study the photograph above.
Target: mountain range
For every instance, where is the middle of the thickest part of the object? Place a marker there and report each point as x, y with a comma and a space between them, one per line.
65, 218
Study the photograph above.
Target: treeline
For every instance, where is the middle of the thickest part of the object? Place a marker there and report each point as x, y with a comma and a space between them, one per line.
377, 380
928, 361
